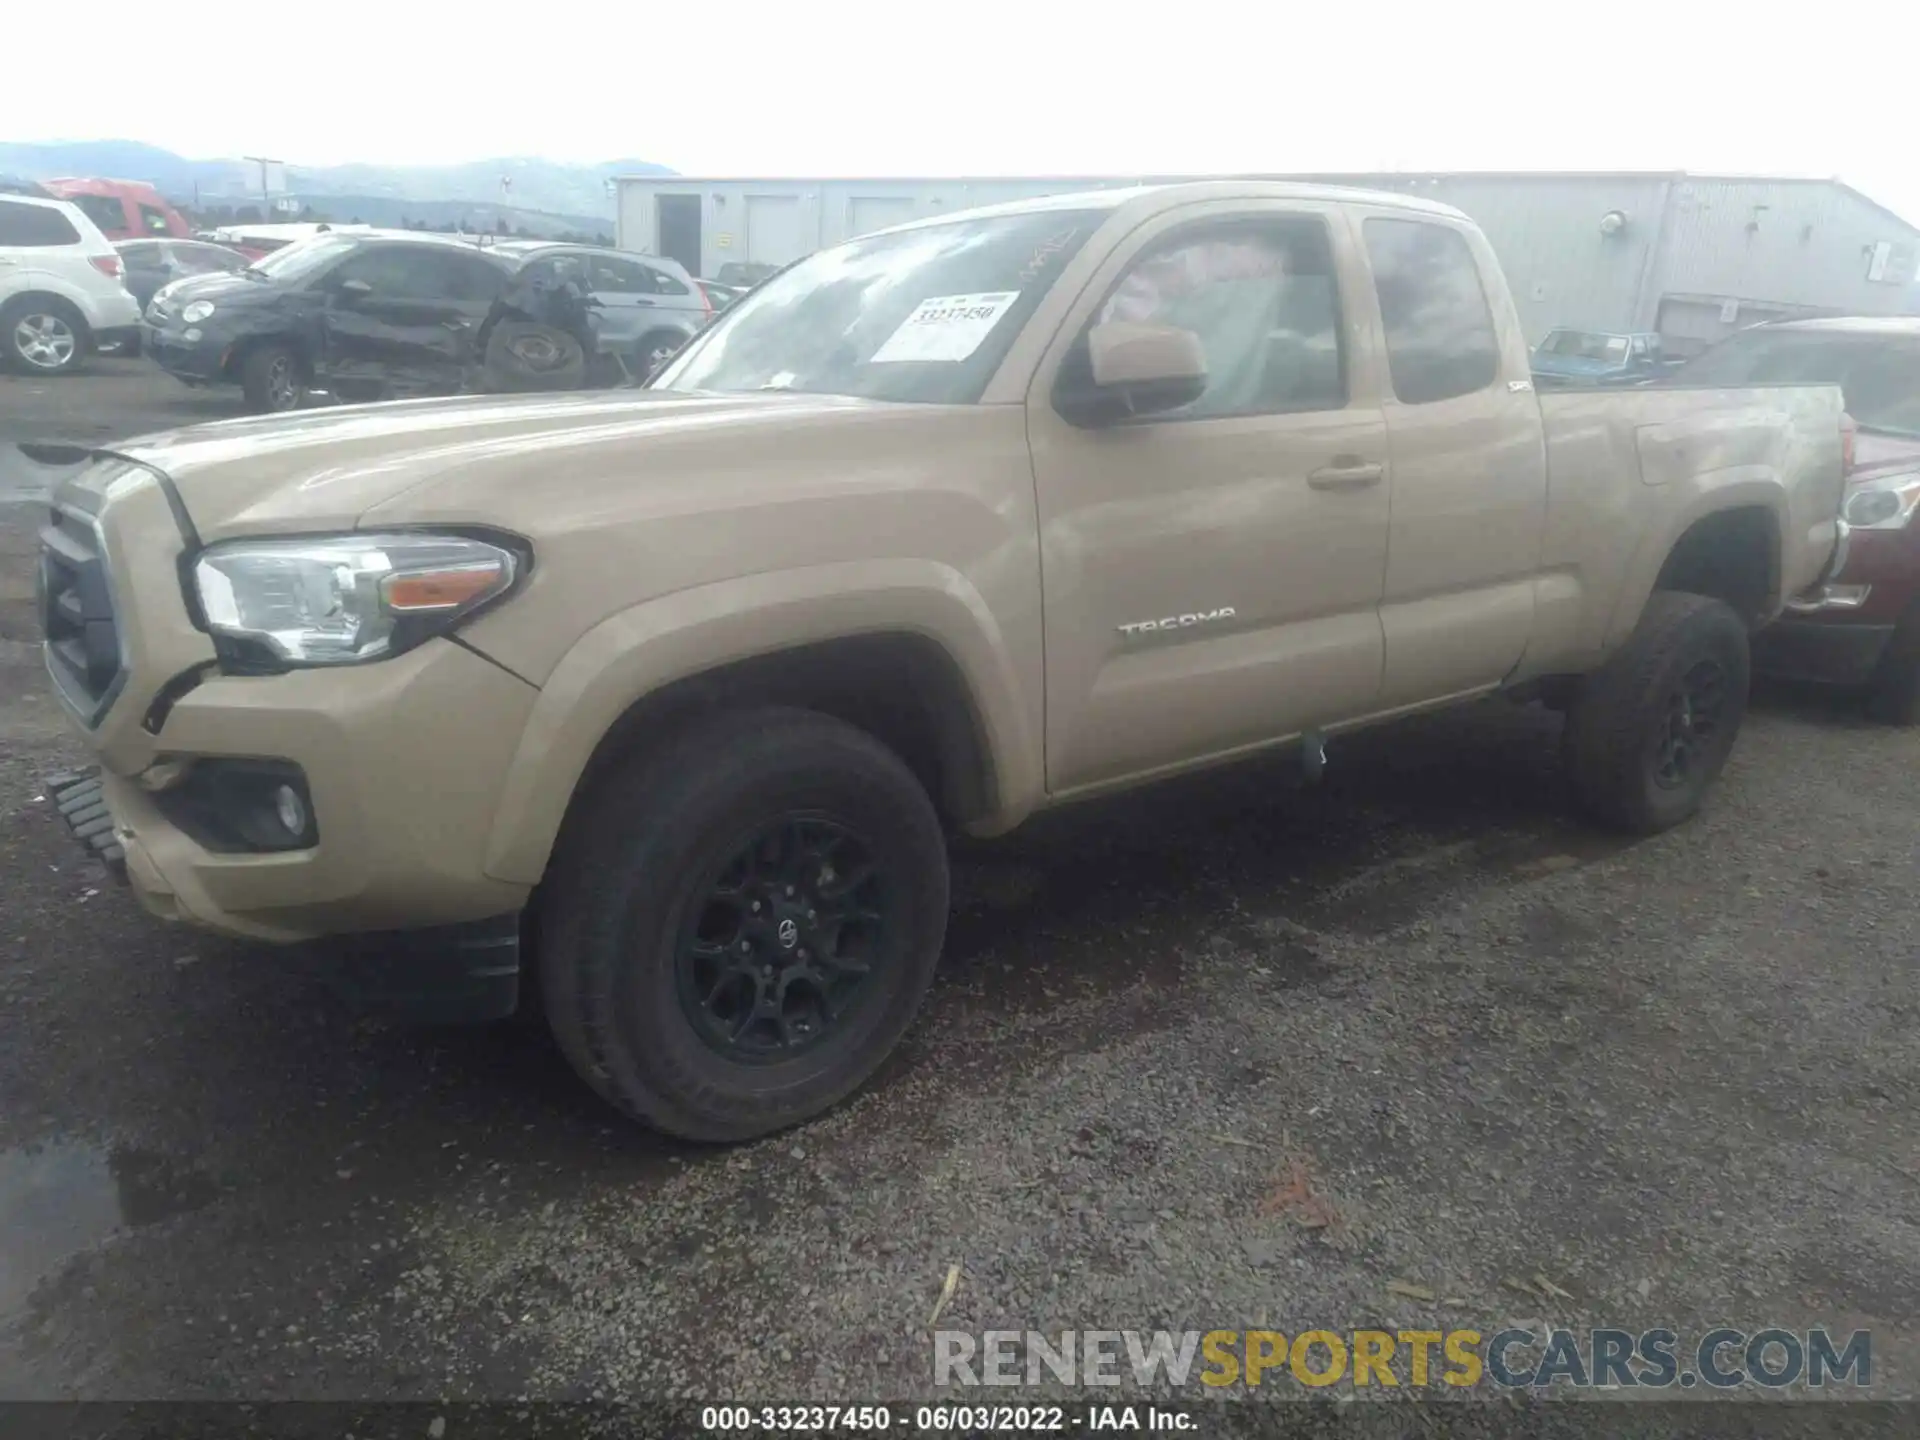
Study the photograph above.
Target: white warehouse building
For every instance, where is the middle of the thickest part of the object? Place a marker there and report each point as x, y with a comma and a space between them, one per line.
1691, 256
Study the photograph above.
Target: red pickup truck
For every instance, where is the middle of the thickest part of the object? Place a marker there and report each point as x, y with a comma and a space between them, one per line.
1863, 627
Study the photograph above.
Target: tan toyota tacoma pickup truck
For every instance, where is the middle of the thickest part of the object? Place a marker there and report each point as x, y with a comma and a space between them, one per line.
666, 700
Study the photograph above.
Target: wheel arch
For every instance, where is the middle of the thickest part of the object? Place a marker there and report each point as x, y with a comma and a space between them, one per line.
1727, 544
935, 681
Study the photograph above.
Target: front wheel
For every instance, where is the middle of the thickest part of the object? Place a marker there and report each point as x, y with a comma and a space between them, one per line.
1650, 731
273, 379
739, 926
522, 355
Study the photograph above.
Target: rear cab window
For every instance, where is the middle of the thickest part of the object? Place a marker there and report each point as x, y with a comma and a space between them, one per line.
35, 226
1441, 340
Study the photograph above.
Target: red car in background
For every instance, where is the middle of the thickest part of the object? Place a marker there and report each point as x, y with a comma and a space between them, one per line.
1863, 627
123, 209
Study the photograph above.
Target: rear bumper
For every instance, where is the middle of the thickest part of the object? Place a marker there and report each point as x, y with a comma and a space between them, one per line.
114, 314
1820, 651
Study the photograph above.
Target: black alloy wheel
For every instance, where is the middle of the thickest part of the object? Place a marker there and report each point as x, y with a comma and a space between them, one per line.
781, 947
1695, 707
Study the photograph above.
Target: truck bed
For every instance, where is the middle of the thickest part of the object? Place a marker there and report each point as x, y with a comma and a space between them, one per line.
1776, 447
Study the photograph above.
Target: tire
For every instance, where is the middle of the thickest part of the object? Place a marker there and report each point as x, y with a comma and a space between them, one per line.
273, 378
1895, 696
653, 866
1650, 731
655, 350
43, 335
524, 356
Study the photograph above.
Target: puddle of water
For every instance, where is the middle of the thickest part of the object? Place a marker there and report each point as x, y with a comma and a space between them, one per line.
59, 1199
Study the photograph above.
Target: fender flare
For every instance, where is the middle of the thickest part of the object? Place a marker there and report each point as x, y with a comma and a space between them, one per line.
1745, 487
638, 651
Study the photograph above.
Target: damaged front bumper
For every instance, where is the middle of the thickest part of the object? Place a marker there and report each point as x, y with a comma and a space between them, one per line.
80, 796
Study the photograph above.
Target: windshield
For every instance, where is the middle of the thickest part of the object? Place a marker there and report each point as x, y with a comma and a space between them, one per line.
1878, 374
302, 258
921, 315
1581, 345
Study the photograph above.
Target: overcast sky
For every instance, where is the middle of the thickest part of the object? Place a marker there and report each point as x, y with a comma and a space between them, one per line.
845, 87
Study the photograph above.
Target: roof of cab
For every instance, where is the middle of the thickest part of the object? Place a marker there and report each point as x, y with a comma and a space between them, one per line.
1186, 192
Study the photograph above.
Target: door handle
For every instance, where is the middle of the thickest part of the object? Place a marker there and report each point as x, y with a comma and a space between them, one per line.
1347, 472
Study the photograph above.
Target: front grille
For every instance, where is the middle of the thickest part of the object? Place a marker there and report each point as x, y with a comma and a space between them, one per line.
76, 612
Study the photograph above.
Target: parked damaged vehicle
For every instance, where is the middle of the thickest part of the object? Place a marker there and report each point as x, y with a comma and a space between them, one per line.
376, 315
1863, 627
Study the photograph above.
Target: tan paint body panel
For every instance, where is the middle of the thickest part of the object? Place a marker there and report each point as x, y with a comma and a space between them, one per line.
1504, 535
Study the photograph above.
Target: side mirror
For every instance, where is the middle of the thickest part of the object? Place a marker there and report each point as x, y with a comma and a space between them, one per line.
353, 289
1137, 370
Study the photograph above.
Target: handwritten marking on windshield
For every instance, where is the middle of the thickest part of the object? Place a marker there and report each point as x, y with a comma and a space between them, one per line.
1045, 251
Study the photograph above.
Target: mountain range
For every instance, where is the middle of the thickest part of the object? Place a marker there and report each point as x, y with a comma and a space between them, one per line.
535, 185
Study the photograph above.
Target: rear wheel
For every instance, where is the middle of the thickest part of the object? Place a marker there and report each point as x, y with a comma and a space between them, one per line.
656, 349
738, 927
273, 378
43, 335
1650, 731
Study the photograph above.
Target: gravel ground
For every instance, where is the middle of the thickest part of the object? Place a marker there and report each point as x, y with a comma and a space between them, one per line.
1226, 1053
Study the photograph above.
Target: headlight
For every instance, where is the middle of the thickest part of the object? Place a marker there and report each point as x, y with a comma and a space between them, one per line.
1885, 504
197, 311
340, 600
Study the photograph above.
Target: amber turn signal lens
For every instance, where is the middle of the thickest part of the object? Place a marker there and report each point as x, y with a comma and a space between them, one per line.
448, 589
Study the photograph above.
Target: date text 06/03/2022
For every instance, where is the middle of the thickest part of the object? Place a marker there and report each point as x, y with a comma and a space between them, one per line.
945, 1419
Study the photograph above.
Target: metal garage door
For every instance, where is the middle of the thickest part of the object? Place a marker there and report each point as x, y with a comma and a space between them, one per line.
868, 213
773, 229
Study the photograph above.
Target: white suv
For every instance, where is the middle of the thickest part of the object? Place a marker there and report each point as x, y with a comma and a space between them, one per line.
60, 287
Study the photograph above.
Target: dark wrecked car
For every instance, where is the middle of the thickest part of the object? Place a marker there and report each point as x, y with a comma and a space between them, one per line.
375, 316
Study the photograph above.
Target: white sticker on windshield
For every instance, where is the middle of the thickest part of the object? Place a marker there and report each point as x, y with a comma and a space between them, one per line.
946, 327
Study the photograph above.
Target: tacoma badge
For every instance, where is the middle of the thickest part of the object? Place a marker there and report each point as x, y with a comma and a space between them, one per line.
1177, 622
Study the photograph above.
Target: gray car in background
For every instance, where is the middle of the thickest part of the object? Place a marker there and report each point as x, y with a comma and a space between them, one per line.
647, 306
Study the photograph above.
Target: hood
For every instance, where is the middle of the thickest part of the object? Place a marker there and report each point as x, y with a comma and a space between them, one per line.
219, 288
1876, 454
325, 469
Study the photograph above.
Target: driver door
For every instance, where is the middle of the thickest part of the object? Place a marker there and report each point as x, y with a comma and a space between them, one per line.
1213, 574
401, 319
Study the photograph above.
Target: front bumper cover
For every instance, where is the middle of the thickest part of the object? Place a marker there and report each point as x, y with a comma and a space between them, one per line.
466, 973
